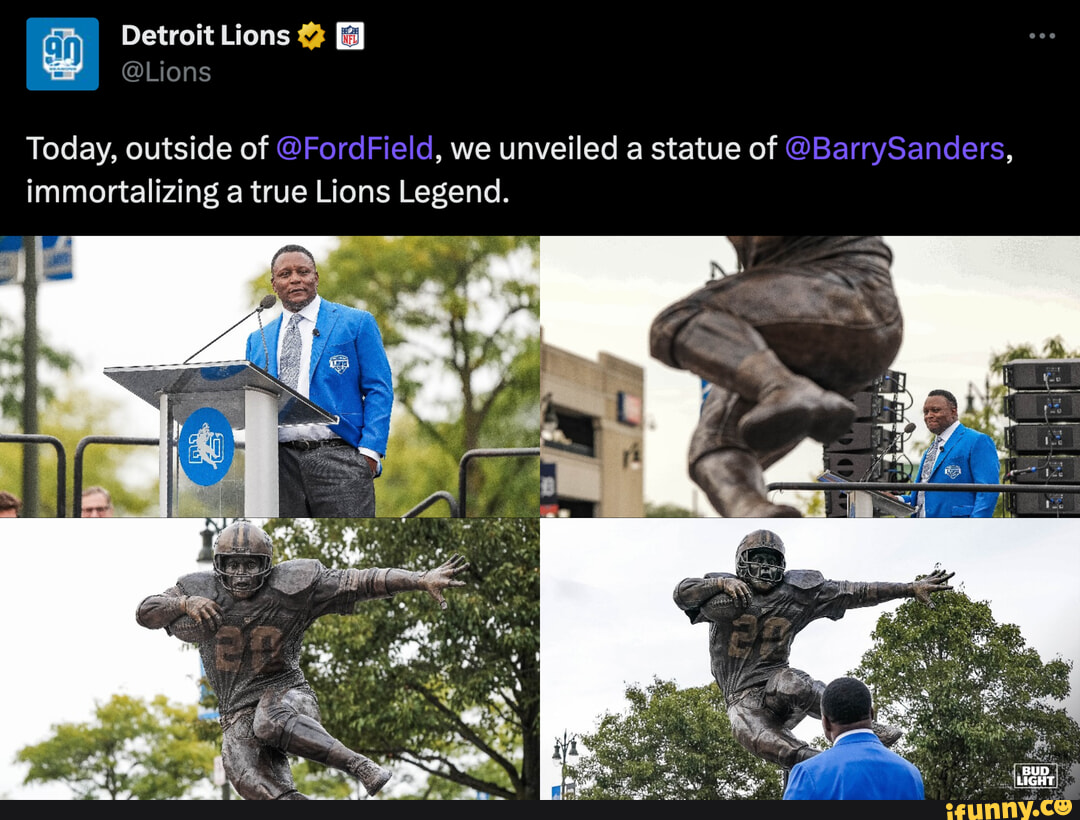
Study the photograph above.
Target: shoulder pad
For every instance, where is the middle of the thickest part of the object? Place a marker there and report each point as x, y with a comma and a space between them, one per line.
719, 575
804, 578
203, 584
295, 576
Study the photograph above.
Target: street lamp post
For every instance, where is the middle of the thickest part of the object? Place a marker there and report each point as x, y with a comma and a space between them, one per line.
567, 747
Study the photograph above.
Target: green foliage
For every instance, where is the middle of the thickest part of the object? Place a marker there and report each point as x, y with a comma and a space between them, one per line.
667, 511
67, 414
459, 316
671, 744
454, 692
131, 749
973, 698
11, 370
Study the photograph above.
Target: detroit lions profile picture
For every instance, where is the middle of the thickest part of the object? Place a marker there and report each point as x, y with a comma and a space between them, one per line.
62, 53
206, 446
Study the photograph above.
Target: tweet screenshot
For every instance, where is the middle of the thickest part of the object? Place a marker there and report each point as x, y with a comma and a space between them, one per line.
440, 449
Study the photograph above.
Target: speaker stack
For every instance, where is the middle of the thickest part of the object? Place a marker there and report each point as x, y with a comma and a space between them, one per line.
861, 454
1043, 442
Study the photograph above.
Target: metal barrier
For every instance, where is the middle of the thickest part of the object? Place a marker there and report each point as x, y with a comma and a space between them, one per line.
935, 487
61, 462
489, 453
441, 495
457, 508
76, 503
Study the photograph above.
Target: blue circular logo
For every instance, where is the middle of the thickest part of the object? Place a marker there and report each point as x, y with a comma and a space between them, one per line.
206, 446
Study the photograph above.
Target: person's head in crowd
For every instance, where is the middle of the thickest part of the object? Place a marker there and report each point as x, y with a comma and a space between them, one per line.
9, 505
96, 503
846, 705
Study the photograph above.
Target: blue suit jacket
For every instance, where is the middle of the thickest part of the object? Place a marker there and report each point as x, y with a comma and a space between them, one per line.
349, 375
857, 767
969, 457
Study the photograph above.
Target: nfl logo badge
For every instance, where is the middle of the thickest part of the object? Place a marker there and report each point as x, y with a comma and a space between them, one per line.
350, 35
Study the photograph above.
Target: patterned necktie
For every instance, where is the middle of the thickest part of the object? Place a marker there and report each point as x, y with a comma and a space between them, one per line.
289, 367
928, 466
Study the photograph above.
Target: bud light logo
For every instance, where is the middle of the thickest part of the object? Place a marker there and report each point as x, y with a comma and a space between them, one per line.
1035, 775
206, 446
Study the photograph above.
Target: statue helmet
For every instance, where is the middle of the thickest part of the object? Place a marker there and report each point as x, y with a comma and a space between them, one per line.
755, 570
242, 538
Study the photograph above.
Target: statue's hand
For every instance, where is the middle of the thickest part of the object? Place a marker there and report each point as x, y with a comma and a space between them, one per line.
434, 581
936, 581
203, 611
738, 590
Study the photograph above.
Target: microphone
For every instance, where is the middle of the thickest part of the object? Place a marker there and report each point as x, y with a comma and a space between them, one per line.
268, 301
909, 428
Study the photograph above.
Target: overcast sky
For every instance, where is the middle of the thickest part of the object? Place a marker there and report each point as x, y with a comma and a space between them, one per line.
67, 617
963, 299
608, 619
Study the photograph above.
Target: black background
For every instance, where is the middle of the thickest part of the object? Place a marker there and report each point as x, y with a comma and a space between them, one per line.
503, 76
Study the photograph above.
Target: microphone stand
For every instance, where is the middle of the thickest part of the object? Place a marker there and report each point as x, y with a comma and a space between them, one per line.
267, 301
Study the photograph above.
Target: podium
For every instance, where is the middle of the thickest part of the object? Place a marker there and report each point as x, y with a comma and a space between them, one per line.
207, 402
868, 503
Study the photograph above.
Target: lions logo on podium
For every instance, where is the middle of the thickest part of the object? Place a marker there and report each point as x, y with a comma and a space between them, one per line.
206, 446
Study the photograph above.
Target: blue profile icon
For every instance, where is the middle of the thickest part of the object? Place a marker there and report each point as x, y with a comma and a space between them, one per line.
62, 53
206, 446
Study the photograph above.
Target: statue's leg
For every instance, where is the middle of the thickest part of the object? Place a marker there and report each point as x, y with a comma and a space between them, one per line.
703, 335
764, 734
255, 770
734, 484
290, 721
724, 467
792, 695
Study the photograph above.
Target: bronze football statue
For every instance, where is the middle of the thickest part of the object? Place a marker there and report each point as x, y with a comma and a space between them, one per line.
248, 618
754, 616
808, 322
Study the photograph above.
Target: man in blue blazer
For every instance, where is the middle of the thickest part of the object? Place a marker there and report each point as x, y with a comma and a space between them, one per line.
334, 355
858, 766
961, 456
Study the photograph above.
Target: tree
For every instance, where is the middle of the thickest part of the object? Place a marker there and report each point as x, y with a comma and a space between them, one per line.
460, 318
671, 744
130, 750
68, 414
668, 511
973, 698
11, 369
454, 692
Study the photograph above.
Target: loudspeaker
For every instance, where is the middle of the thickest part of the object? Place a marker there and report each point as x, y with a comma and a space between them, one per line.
1043, 438
1046, 406
1045, 374
1066, 505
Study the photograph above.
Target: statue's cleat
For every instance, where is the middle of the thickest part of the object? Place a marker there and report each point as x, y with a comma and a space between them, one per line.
888, 735
790, 413
372, 775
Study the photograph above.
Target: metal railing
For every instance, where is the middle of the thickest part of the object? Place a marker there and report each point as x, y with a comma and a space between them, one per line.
934, 487
80, 448
61, 462
458, 508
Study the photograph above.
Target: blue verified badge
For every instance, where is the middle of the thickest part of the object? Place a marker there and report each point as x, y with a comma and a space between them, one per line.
206, 446
62, 53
